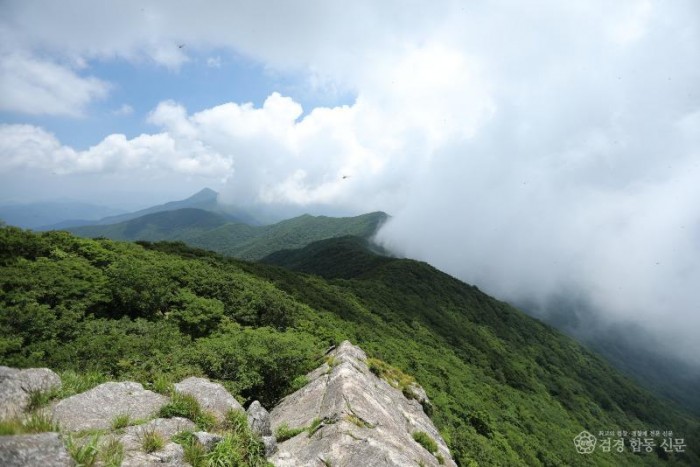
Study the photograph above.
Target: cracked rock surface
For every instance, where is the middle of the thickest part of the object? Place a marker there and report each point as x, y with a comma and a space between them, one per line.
363, 419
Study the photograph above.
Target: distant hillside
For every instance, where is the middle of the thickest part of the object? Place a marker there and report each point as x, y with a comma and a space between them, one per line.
215, 232
205, 199
628, 346
337, 258
505, 389
167, 225
39, 215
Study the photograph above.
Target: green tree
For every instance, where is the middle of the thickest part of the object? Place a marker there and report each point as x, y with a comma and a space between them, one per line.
196, 316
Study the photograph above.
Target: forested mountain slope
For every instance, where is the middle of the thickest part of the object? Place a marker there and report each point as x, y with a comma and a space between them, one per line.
506, 389
212, 231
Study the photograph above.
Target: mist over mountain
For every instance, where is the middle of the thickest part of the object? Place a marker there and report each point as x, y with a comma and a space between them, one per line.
544, 152
46, 215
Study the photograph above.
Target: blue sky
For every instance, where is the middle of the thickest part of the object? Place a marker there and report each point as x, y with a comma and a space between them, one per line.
206, 80
556, 145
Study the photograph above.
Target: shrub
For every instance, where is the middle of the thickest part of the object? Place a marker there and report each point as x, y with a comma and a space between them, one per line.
195, 315
261, 363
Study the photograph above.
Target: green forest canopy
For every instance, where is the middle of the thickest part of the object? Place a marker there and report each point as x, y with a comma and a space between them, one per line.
506, 389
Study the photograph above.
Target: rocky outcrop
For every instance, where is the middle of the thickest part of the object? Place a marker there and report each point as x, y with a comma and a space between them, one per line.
259, 422
98, 407
212, 397
354, 418
345, 415
207, 440
43, 449
16, 387
259, 419
171, 454
166, 428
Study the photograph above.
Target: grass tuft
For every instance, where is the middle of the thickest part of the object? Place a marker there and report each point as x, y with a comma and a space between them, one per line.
36, 422
163, 385
392, 375
314, 426
358, 421
284, 432
195, 454
236, 421
112, 453
39, 399
151, 441
75, 383
422, 438
84, 453
121, 421
236, 449
186, 405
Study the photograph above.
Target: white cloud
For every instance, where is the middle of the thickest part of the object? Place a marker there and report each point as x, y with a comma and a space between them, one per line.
34, 86
214, 62
27, 146
123, 111
528, 147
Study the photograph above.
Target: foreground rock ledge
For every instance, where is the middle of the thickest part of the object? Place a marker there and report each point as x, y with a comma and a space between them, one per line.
365, 421
95, 409
43, 449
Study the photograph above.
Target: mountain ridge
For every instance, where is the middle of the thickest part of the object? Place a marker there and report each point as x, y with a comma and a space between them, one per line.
216, 232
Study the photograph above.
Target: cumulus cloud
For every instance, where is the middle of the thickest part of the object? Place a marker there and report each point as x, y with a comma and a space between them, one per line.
27, 146
35, 86
530, 148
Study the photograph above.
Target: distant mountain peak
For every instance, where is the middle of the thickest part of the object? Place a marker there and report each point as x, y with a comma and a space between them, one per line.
205, 194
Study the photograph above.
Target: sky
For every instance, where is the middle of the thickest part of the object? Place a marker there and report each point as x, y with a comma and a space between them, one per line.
532, 148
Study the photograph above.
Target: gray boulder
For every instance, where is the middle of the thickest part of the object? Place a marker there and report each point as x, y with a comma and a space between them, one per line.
96, 408
16, 387
43, 449
212, 397
166, 428
361, 419
259, 419
270, 443
172, 455
207, 440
